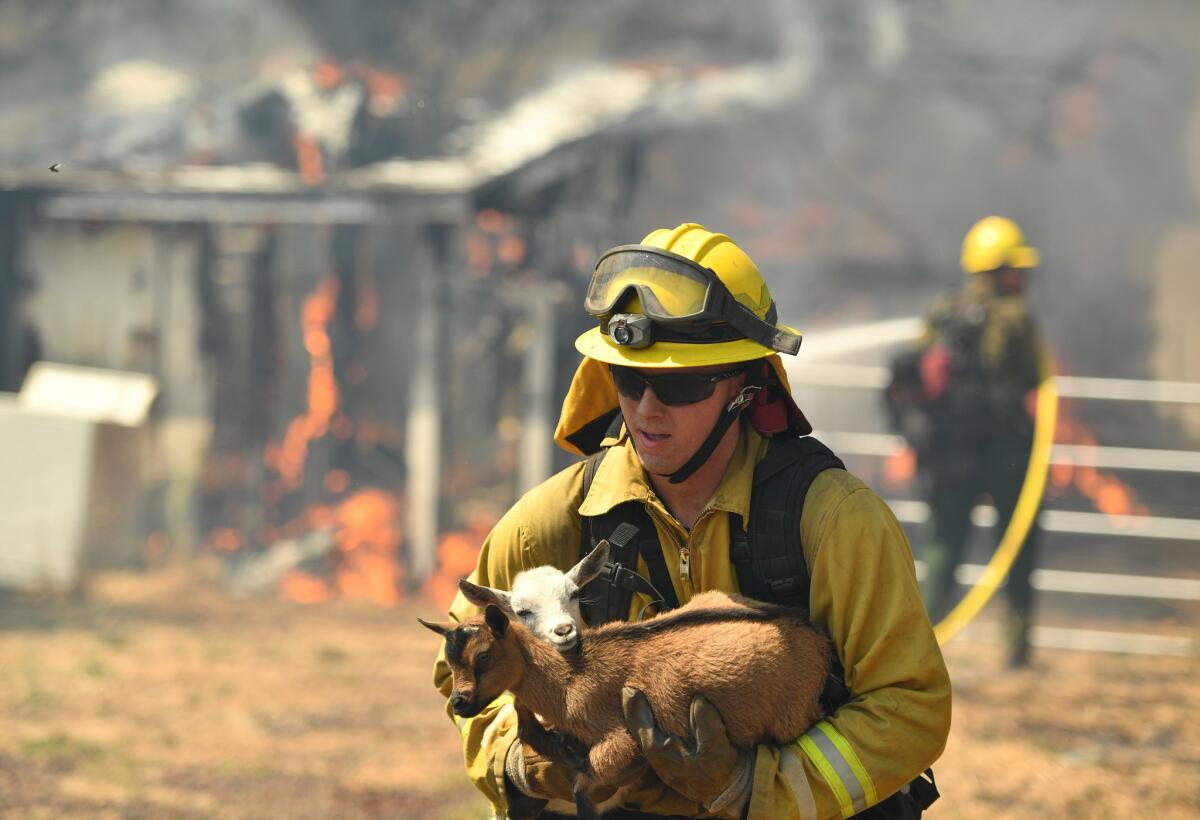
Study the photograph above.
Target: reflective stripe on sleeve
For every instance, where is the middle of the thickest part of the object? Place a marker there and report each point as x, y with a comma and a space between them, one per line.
840, 766
793, 774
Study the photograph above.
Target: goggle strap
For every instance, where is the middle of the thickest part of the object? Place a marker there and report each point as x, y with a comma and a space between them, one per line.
746, 322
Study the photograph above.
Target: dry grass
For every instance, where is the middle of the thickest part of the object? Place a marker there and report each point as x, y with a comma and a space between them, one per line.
159, 696
1081, 734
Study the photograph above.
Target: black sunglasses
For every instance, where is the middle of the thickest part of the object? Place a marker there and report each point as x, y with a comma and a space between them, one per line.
674, 389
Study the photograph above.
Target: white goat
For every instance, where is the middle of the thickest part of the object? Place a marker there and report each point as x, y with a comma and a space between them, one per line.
545, 599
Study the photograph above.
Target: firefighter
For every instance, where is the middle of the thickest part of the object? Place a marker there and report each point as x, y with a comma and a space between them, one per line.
681, 400
980, 359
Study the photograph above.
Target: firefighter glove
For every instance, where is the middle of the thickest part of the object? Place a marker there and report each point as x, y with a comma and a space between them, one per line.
705, 767
536, 776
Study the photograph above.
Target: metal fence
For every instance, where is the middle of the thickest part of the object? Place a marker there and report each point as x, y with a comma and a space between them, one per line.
1183, 587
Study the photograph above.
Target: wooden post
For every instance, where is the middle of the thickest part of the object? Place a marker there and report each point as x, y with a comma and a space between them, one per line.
537, 426
424, 434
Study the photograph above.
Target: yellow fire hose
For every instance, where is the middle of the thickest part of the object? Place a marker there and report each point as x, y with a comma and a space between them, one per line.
1018, 526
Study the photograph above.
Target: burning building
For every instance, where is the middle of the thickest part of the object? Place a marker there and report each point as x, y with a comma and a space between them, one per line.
356, 355
341, 253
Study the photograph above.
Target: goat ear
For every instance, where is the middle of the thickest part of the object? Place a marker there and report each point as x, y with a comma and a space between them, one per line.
482, 596
496, 619
440, 629
590, 565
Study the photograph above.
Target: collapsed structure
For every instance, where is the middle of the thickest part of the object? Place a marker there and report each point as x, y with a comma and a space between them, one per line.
350, 351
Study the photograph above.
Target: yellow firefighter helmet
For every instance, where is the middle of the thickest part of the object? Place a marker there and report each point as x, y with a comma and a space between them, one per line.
996, 242
683, 297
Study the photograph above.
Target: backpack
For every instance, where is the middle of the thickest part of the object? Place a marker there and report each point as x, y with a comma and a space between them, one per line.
907, 406
766, 555
938, 395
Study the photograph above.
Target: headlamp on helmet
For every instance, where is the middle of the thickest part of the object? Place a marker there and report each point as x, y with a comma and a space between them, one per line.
631, 330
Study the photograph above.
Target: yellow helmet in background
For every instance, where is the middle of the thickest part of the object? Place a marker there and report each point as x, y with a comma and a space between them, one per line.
996, 242
626, 280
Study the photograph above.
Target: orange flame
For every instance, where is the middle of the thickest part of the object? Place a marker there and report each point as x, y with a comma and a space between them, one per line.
288, 458
511, 250
308, 158
367, 537
457, 553
365, 527
357, 521
493, 240
227, 539
304, 588
327, 74
1107, 493
336, 481
489, 220
385, 89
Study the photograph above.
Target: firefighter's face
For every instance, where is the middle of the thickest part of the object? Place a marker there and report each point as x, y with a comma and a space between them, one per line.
1011, 280
666, 436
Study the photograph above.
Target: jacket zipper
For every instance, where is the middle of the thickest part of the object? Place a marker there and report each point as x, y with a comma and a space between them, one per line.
685, 556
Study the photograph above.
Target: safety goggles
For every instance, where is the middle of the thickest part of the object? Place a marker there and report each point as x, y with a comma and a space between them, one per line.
681, 301
674, 389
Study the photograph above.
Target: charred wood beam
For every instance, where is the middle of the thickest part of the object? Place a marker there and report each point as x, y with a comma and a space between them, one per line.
19, 346
238, 335
425, 446
324, 208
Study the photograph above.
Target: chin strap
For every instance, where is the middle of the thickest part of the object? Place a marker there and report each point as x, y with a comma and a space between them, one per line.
728, 416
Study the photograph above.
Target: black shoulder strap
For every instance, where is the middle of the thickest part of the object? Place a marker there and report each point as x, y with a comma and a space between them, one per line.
629, 532
767, 555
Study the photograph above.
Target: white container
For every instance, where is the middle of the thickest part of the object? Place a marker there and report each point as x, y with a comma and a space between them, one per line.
72, 467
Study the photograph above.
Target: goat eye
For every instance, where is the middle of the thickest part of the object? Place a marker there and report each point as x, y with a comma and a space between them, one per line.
524, 613
483, 657
574, 596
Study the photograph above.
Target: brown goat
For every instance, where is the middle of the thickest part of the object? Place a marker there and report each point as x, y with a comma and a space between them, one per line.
762, 666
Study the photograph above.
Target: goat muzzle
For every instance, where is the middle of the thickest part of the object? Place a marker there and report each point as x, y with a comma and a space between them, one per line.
463, 705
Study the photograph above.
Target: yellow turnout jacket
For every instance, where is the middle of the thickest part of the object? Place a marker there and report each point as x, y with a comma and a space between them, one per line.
864, 594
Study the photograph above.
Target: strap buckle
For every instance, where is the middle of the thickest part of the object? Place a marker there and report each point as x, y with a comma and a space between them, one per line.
743, 398
783, 586
620, 575
625, 578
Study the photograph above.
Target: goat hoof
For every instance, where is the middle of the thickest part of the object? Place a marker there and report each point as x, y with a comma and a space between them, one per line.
585, 809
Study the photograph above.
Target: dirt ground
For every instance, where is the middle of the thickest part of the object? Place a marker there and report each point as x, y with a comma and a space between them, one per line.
159, 696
